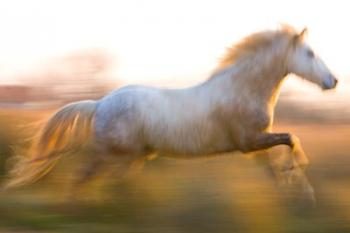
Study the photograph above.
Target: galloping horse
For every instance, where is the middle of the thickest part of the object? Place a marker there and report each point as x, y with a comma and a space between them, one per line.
231, 111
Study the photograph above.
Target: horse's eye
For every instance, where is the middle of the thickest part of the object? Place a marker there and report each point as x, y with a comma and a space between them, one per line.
310, 53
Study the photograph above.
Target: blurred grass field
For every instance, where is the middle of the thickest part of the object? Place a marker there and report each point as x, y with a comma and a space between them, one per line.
221, 194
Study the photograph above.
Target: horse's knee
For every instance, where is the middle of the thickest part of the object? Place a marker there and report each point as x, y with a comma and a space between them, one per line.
301, 158
298, 152
294, 141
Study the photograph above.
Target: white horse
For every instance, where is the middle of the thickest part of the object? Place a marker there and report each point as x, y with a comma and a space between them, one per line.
231, 111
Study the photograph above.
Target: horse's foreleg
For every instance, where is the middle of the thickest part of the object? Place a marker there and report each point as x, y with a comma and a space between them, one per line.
298, 152
287, 172
268, 140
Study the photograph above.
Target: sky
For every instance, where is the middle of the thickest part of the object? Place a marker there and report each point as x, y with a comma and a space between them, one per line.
158, 41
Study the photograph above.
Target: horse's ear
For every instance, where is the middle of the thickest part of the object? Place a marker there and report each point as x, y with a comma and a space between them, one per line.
303, 33
301, 36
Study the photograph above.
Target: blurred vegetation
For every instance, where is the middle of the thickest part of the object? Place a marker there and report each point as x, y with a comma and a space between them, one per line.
223, 194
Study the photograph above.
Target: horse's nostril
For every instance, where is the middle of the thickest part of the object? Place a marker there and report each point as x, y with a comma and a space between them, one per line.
335, 82
330, 83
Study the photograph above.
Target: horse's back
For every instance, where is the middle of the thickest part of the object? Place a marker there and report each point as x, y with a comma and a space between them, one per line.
120, 115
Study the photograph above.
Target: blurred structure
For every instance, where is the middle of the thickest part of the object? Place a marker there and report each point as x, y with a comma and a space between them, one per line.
14, 93
80, 75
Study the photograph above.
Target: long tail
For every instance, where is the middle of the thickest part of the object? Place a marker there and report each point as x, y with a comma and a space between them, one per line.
67, 130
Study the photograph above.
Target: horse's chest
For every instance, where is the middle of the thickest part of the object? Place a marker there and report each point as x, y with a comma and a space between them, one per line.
255, 118
260, 121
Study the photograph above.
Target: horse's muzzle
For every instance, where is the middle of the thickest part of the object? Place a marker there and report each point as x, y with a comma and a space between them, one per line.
330, 83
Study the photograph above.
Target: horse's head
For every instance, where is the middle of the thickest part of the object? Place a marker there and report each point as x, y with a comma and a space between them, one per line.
303, 62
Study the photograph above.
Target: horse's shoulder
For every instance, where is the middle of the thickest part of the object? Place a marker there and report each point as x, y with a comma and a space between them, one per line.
258, 118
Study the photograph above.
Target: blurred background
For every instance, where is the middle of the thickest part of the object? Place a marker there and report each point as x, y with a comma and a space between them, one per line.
56, 52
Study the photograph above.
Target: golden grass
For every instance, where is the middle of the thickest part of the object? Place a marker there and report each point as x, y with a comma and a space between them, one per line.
223, 194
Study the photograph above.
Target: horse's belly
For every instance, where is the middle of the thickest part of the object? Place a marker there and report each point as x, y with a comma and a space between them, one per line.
187, 147
194, 154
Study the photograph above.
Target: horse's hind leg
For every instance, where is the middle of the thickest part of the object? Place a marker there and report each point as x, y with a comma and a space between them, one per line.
84, 174
115, 166
124, 165
88, 171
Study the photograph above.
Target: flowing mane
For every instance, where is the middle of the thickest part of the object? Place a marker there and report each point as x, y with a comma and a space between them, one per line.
252, 44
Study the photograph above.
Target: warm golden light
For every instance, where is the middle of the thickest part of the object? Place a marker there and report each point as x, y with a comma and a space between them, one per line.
157, 40
57, 52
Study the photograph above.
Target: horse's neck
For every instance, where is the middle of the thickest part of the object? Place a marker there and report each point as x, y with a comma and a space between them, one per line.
261, 82
247, 81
